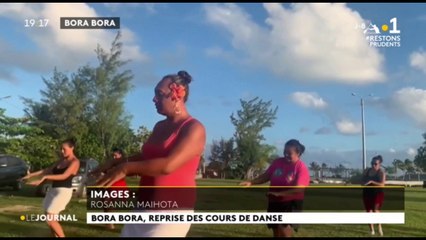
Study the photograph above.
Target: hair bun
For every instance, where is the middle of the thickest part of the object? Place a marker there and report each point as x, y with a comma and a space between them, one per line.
302, 148
185, 76
73, 141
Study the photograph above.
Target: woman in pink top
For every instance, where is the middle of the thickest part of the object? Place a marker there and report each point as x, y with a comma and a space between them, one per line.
170, 157
287, 171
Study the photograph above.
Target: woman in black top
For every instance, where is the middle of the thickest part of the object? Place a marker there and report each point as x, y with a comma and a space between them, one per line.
61, 174
373, 197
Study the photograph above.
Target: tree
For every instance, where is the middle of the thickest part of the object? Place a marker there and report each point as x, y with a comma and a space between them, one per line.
132, 142
409, 168
62, 110
389, 169
340, 169
142, 135
213, 169
402, 166
11, 129
223, 152
356, 176
249, 122
88, 146
420, 158
355, 171
201, 165
88, 105
267, 155
397, 164
315, 167
27, 142
323, 168
39, 150
109, 88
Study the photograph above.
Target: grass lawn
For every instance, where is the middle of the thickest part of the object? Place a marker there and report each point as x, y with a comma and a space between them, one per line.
15, 204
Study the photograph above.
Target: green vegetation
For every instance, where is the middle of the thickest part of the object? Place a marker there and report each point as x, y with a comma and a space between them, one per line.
15, 204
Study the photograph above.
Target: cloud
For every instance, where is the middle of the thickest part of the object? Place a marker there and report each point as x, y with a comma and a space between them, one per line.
304, 130
323, 131
7, 75
65, 49
308, 100
218, 52
418, 60
411, 152
421, 18
392, 150
308, 42
410, 102
313, 101
348, 127
151, 8
404, 132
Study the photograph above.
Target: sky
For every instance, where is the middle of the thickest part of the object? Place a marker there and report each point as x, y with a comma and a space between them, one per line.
306, 58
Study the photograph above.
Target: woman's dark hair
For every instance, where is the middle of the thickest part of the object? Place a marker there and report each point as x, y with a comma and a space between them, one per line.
70, 141
377, 158
181, 78
118, 150
300, 149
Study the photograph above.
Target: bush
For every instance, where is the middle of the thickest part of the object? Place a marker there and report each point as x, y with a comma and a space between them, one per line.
356, 179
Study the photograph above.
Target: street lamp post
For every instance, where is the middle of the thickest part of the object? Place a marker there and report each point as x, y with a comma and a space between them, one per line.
364, 148
364, 151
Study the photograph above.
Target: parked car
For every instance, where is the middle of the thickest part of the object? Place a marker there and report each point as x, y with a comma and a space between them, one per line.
79, 182
11, 169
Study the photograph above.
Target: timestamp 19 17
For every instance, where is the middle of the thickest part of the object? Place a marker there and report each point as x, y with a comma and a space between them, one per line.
39, 23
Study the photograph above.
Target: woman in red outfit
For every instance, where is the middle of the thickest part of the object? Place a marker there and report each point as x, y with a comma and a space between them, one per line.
170, 157
373, 196
117, 155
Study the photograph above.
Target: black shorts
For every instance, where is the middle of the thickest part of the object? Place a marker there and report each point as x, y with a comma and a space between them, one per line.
291, 206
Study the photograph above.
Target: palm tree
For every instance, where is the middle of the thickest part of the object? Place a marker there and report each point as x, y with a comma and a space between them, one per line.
390, 169
397, 164
390, 172
323, 167
409, 168
340, 169
202, 165
403, 168
315, 167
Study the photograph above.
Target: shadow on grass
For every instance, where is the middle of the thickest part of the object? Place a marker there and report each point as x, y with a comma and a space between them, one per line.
403, 230
230, 230
400, 233
416, 190
332, 230
26, 191
14, 227
415, 199
74, 230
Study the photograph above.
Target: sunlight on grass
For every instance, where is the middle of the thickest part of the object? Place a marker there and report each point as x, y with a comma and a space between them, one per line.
15, 204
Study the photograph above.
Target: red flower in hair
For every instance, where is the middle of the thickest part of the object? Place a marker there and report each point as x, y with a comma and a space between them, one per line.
177, 91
